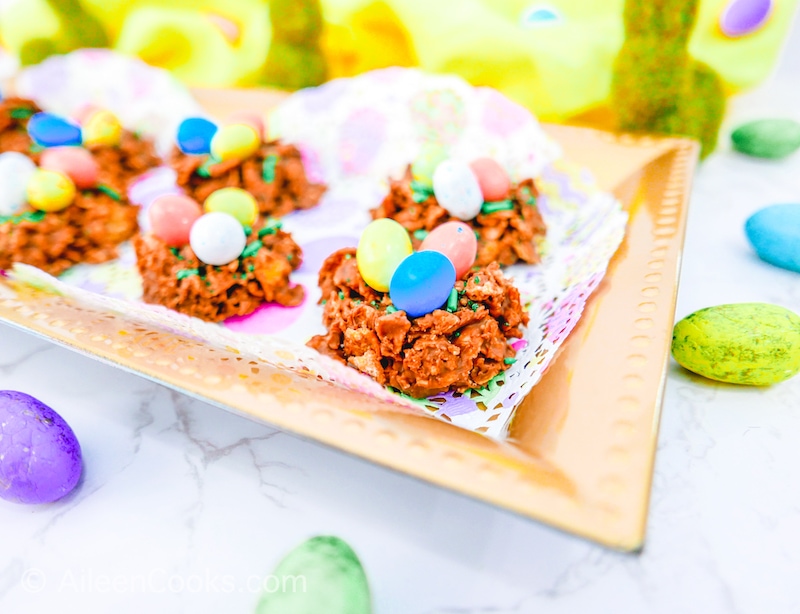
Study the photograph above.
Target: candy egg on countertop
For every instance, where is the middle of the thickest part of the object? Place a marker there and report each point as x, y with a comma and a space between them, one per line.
49, 130
102, 128
171, 218
455, 240
75, 162
235, 201
195, 134
217, 238
426, 162
771, 138
492, 178
755, 344
252, 118
422, 283
457, 190
50, 190
383, 245
774, 232
40, 457
16, 170
235, 142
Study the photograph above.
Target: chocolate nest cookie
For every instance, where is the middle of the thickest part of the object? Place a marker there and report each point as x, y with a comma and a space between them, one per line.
89, 231
120, 164
14, 116
175, 278
507, 230
457, 348
274, 175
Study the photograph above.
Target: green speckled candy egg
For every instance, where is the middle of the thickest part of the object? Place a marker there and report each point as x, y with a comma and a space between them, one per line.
746, 343
321, 575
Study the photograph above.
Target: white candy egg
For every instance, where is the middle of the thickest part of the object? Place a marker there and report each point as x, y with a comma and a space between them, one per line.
217, 238
457, 189
15, 171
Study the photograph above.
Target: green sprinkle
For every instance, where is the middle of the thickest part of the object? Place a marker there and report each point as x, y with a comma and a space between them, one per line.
419, 197
187, 273
341, 295
391, 309
268, 169
251, 267
494, 207
477, 280
248, 231
111, 193
509, 361
452, 301
205, 169
35, 148
348, 256
21, 113
357, 302
418, 186
176, 252
474, 306
28, 216
420, 234
323, 301
271, 228
252, 249
373, 303
457, 334
290, 257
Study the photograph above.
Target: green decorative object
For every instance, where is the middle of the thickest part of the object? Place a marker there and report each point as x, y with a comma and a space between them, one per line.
658, 87
767, 138
79, 28
295, 58
321, 575
755, 344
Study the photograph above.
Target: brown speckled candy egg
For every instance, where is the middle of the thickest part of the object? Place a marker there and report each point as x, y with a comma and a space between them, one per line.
40, 457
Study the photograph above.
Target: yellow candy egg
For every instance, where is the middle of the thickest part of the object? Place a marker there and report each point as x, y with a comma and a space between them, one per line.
50, 190
102, 128
382, 247
233, 201
235, 142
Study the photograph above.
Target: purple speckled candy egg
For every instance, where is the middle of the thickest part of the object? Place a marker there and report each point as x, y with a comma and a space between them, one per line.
40, 457
742, 17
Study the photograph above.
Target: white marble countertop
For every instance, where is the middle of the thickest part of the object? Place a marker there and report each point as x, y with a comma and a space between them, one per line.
183, 493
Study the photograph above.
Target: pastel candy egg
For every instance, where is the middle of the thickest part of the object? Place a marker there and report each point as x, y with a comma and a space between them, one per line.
767, 138
40, 457
382, 247
235, 201
217, 238
746, 343
251, 118
334, 581
492, 178
16, 170
195, 134
774, 232
426, 162
49, 130
742, 17
102, 128
50, 190
171, 218
455, 240
422, 283
75, 162
235, 142
457, 190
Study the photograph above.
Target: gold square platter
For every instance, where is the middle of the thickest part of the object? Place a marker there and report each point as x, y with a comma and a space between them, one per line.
581, 446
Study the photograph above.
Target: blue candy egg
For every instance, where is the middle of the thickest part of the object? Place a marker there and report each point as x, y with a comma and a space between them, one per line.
422, 283
195, 134
50, 130
774, 232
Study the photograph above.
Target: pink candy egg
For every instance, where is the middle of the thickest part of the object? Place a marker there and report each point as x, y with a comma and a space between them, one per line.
171, 218
75, 162
455, 240
248, 117
492, 178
